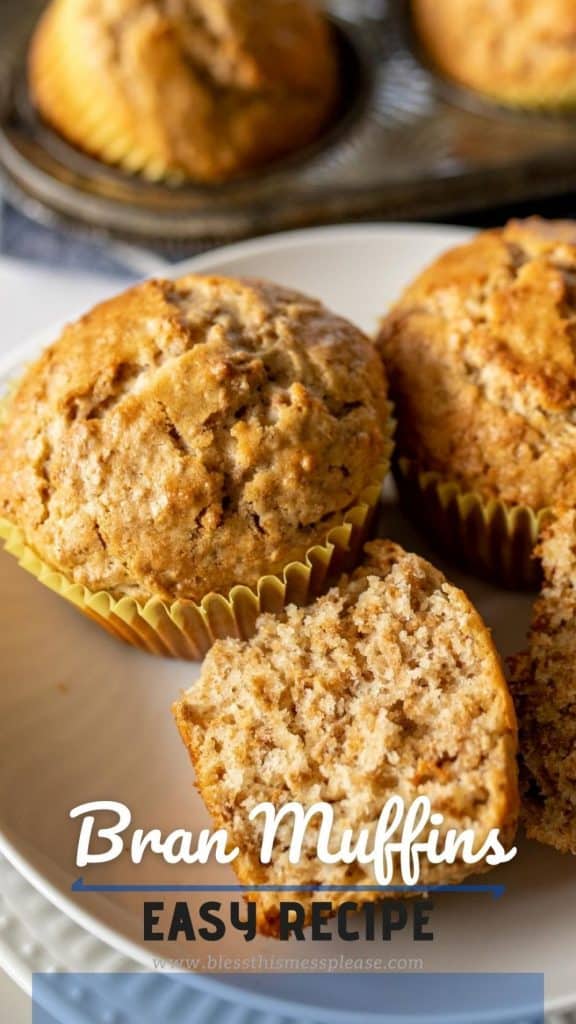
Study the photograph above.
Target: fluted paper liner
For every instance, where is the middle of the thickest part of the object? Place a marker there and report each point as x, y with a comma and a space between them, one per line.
491, 538
184, 629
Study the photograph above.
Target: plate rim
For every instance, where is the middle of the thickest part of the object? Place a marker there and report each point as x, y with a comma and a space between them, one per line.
20, 968
259, 245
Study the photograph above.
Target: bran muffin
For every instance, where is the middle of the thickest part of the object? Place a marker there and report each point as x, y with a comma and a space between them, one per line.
544, 688
192, 435
480, 355
388, 685
175, 89
516, 52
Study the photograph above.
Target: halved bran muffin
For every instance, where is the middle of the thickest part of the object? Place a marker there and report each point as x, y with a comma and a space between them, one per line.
389, 684
544, 688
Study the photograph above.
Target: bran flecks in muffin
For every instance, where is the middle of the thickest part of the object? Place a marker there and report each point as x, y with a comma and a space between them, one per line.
480, 355
388, 685
190, 436
544, 688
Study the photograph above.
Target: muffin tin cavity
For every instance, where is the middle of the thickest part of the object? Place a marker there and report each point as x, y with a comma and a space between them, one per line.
404, 143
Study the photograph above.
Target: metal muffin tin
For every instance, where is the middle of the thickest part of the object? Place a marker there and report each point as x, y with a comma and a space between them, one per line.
405, 144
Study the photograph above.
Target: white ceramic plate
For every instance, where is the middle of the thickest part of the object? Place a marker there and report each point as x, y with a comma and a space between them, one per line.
36, 937
82, 717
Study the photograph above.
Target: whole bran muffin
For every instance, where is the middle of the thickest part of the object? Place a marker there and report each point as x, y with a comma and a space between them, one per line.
388, 685
517, 52
191, 435
482, 367
176, 89
544, 689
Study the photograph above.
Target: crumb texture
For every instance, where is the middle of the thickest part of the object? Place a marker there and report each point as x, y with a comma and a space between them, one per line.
516, 51
191, 435
544, 687
387, 685
480, 351
202, 89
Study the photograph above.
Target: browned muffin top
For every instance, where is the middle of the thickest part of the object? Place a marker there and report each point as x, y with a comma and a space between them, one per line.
190, 435
387, 686
481, 357
205, 89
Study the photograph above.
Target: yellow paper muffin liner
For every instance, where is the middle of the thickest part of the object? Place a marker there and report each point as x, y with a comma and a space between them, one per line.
490, 538
185, 629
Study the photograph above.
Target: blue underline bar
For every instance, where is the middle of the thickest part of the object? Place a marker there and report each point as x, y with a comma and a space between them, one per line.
496, 891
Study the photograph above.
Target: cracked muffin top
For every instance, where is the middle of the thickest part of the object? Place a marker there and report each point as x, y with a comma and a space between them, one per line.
480, 353
516, 51
191, 435
201, 89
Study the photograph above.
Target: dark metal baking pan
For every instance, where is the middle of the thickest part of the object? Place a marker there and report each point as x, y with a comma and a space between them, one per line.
405, 145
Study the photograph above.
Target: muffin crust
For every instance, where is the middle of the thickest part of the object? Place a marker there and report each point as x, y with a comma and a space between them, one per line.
202, 89
481, 359
515, 51
388, 685
544, 688
190, 435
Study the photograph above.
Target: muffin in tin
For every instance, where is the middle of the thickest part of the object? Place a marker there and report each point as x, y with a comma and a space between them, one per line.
205, 90
173, 459
482, 366
516, 52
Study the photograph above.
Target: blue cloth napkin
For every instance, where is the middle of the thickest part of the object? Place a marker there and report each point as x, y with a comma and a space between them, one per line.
23, 238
